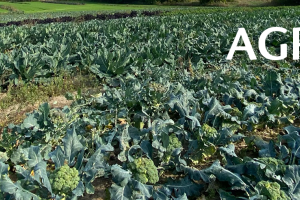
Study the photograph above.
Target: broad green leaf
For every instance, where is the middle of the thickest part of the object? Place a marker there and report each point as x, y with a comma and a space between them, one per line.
225, 175
40, 175
58, 157
292, 180
72, 145
6, 185
185, 186
34, 156
120, 176
120, 193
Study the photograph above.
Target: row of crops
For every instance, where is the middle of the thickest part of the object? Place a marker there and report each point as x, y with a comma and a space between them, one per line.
34, 53
175, 121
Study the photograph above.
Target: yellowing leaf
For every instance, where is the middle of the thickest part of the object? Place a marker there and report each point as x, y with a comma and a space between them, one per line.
97, 95
109, 126
122, 121
141, 125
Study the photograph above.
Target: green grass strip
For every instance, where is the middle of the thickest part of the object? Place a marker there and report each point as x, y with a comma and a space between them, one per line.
36, 7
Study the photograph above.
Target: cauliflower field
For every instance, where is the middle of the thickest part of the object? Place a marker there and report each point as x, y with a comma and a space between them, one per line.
173, 120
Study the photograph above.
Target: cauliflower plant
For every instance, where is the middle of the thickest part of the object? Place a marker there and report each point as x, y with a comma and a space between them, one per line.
64, 180
173, 144
236, 112
271, 161
206, 148
272, 164
271, 190
209, 132
144, 170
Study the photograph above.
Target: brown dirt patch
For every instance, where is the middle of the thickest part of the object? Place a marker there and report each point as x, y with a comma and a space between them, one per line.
267, 133
17, 113
242, 150
59, 102
2, 95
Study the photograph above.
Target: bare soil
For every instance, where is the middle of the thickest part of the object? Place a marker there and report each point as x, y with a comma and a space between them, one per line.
2, 95
17, 113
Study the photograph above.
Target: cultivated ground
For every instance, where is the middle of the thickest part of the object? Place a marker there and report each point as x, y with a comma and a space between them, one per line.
117, 79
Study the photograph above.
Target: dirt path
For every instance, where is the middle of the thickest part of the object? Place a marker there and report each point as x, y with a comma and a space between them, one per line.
16, 113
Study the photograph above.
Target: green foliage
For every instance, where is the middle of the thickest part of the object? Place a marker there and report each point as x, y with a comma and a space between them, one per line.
205, 1
270, 190
64, 180
143, 1
37, 7
286, 2
166, 76
144, 170
236, 112
29, 93
205, 147
174, 143
11, 9
214, 1
272, 162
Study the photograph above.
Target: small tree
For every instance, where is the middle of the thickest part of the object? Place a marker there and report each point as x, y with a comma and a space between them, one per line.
214, 1
287, 2
204, 1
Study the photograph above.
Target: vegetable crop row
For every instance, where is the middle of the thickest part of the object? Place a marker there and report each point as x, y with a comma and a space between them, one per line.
172, 117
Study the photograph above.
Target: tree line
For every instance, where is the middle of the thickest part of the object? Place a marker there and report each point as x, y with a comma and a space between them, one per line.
276, 2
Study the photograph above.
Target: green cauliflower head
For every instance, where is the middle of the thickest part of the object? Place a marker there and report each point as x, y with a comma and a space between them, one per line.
236, 112
144, 170
174, 143
64, 180
206, 147
271, 190
272, 164
209, 132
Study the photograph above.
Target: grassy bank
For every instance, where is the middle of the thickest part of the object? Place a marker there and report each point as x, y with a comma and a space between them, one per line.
36, 7
2, 10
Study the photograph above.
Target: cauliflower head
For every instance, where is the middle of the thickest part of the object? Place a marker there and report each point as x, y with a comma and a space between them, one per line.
271, 190
236, 112
174, 143
206, 147
209, 132
272, 164
144, 170
270, 161
64, 180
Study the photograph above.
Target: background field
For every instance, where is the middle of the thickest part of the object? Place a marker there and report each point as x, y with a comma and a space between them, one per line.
144, 105
3, 11
38, 7
35, 7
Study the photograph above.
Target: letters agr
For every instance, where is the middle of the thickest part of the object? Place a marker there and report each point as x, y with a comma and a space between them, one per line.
262, 44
